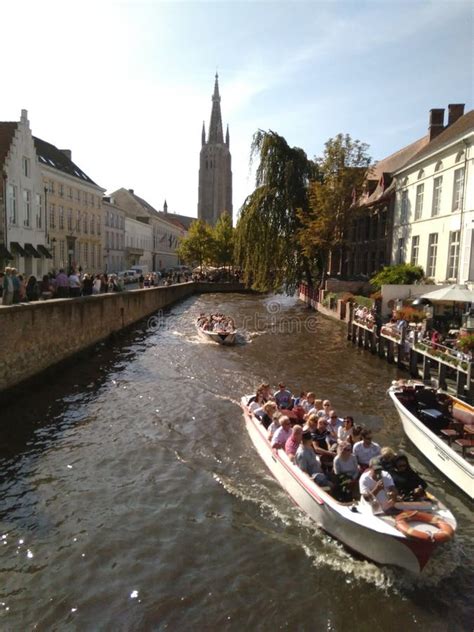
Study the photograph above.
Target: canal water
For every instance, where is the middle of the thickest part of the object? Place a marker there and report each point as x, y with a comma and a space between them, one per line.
131, 497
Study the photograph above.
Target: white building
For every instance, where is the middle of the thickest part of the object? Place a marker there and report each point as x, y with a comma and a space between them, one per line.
23, 232
434, 207
138, 243
114, 236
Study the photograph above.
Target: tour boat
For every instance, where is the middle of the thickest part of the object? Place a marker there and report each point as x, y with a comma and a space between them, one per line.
440, 428
221, 337
407, 540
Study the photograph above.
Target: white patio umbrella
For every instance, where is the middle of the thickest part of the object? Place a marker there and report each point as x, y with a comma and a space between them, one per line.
454, 293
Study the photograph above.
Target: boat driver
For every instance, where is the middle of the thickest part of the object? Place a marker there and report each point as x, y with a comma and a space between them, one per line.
377, 488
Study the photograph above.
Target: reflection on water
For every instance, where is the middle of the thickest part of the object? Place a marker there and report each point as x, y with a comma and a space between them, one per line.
132, 498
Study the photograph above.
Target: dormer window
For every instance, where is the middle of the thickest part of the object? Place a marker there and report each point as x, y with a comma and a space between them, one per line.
459, 156
439, 165
421, 174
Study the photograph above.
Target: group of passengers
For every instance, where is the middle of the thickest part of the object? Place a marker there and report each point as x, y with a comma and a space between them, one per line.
216, 322
335, 452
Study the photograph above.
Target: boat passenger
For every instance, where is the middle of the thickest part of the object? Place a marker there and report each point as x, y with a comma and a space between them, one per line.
377, 487
325, 410
283, 433
257, 401
299, 400
320, 442
293, 442
408, 483
387, 458
356, 434
307, 461
283, 397
345, 431
366, 449
308, 403
273, 427
346, 470
266, 417
334, 424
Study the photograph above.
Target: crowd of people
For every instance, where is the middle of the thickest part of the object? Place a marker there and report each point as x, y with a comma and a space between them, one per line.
336, 453
18, 288
216, 322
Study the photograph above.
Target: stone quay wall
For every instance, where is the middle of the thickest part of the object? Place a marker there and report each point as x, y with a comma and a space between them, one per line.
36, 336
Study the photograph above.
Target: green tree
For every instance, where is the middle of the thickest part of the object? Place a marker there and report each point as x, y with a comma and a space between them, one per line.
223, 235
342, 170
266, 245
400, 274
198, 247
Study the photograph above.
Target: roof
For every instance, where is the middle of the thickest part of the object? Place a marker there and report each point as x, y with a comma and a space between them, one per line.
177, 220
460, 128
51, 156
7, 132
389, 165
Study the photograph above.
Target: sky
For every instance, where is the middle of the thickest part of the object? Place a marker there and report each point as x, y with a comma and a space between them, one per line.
127, 85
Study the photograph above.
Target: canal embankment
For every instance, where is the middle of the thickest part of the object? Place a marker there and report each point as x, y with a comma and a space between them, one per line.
449, 369
39, 335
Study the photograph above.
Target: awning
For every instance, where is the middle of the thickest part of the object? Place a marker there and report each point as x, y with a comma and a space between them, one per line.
44, 251
31, 251
16, 248
4, 253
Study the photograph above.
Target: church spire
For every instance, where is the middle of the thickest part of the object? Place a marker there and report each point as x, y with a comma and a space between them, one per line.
215, 126
227, 138
203, 134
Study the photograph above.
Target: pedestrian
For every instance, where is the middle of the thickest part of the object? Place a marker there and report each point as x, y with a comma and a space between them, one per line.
19, 291
87, 284
8, 287
74, 284
97, 284
32, 289
62, 284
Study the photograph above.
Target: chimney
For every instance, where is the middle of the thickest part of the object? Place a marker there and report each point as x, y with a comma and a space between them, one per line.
436, 123
455, 111
131, 191
67, 153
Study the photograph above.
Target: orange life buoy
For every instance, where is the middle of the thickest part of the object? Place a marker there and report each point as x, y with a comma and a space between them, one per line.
445, 531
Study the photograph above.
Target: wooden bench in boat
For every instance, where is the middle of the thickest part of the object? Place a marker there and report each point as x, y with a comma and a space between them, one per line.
464, 444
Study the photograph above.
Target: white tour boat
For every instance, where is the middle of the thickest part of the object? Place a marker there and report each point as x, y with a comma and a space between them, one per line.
223, 337
374, 536
437, 427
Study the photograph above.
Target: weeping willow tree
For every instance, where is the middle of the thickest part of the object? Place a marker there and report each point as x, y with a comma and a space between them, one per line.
266, 244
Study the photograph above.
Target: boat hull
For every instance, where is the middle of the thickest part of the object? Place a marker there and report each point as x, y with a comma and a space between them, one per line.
220, 338
364, 534
448, 461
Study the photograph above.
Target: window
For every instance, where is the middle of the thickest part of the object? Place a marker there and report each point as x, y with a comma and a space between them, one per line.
52, 216
86, 255
61, 216
453, 255
432, 255
459, 155
421, 174
69, 192
415, 248
92, 225
437, 189
39, 210
78, 195
439, 165
85, 226
61, 190
27, 207
78, 221
25, 162
85, 198
51, 186
420, 191
401, 248
62, 253
98, 226
404, 207
69, 219
458, 189
12, 209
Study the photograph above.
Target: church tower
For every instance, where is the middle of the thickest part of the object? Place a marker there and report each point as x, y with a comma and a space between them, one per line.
215, 174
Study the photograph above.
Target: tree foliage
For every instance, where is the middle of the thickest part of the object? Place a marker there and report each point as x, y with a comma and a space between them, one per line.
198, 247
223, 234
342, 169
266, 245
401, 274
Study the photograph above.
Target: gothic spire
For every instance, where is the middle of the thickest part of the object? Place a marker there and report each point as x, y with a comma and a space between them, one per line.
203, 134
215, 126
227, 138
